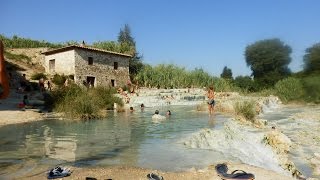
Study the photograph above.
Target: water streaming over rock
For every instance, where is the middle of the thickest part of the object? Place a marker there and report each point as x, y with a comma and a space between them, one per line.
236, 141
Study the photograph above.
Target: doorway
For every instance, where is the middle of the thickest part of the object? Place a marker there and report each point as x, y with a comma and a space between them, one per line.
90, 81
52, 65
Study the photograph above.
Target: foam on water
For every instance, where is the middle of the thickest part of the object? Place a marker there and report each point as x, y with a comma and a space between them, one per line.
270, 104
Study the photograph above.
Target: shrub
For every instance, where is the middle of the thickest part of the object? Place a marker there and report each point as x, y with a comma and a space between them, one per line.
77, 102
311, 86
289, 89
246, 109
59, 79
105, 96
245, 83
266, 92
38, 76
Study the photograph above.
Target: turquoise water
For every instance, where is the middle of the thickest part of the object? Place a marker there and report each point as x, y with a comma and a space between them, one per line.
131, 139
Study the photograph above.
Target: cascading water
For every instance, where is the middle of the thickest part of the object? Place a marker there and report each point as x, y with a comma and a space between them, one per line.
163, 97
236, 141
269, 104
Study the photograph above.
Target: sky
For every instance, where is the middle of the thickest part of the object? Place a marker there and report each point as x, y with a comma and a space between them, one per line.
208, 34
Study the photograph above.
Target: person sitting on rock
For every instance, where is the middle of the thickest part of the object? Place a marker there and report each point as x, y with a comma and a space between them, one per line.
26, 102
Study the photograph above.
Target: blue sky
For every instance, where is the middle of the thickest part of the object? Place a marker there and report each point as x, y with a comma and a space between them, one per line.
204, 33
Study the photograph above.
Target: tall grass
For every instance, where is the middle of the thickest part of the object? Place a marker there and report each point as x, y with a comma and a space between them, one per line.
82, 103
172, 76
246, 109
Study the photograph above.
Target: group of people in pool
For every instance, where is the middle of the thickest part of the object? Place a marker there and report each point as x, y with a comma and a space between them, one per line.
156, 113
211, 104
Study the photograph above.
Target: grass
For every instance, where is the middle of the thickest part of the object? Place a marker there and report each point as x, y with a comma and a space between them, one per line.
18, 57
246, 109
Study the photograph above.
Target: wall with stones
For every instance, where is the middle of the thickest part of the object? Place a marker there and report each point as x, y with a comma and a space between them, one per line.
64, 63
102, 68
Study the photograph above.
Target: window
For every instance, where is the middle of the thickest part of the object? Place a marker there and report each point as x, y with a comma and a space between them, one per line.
51, 65
115, 65
90, 60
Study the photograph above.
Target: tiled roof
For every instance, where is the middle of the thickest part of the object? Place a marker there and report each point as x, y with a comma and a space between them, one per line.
67, 48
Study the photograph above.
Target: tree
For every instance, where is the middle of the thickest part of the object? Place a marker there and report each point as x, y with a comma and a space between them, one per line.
268, 60
108, 45
135, 65
128, 46
125, 37
245, 83
226, 73
312, 59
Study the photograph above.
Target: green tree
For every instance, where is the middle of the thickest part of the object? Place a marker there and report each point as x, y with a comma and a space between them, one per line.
135, 65
126, 37
226, 73
128, 46
245, 82
107, 45
312, 59
268, 60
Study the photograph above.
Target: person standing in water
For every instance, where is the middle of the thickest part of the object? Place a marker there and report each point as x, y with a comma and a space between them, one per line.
211, 102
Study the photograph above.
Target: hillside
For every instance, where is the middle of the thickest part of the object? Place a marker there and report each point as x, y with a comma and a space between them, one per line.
25, 60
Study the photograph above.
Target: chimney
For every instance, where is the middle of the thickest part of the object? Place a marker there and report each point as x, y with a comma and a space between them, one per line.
83, 44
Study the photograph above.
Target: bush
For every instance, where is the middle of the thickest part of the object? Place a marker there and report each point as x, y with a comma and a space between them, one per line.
77, 102
246, 109
267, 92
59, 79
105, 96
289, 89
245, 83
311, 86
38, 76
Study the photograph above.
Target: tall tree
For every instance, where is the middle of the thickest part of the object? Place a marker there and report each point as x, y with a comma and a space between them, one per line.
268, 60
312, 59
125, 37
226, 73
128, 46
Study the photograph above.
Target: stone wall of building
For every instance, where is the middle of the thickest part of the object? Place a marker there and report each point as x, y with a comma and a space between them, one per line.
102, 68
64, 63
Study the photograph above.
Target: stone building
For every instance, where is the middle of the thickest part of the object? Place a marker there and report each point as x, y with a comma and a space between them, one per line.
89, 65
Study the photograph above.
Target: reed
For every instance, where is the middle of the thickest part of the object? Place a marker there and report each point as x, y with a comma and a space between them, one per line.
172, 76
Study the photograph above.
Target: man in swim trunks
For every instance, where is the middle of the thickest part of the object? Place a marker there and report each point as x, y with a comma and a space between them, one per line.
211, 102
